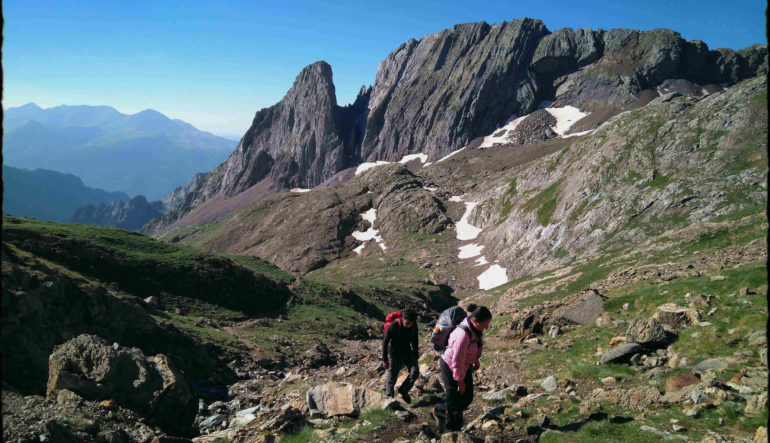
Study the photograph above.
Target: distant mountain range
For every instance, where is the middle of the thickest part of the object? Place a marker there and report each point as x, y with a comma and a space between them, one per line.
49, 195
145, 153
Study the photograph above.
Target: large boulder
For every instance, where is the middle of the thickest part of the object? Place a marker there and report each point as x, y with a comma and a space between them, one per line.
584, 309
88, 366
680, 381
333, 399
674, 318
650, 334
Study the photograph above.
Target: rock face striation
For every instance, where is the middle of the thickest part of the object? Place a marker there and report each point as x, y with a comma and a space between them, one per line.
438, 93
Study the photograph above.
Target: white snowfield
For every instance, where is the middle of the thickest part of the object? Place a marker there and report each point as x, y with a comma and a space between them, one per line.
470, 250
428, 188
495, 275
565, 118
369, 234
465, 230
492, 277
491, 140
448, 155
578, 134
299, 190
405, 159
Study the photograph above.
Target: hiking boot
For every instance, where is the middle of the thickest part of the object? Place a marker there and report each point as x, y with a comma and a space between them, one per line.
405, 395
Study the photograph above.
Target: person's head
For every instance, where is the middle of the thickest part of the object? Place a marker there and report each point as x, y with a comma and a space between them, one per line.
480, 316
410, 318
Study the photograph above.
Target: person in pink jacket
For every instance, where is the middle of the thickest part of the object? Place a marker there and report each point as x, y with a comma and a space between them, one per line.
458, 361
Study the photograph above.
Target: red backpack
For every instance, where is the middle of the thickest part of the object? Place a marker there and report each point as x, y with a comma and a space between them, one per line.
393, 316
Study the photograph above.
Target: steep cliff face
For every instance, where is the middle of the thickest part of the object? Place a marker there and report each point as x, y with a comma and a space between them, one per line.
436, 93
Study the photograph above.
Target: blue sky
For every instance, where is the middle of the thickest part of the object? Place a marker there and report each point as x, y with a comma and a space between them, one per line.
215, 63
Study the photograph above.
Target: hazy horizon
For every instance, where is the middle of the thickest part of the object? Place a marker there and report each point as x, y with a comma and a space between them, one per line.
215, 65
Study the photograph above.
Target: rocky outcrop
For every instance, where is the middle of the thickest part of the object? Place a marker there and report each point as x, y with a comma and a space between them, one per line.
131, 215
440, 92
93, 369
44, 307
435, 94
176, 197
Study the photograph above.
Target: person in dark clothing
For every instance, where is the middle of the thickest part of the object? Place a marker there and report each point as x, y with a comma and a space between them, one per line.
459, 360
399, 348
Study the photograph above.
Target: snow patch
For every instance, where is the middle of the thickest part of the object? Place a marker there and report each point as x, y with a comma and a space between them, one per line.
448, 155
565, 117
367, 166
493, 277
299, 190
407, 158
511, 125
428, 188
455, 198
578, 134
369, 234
470, 250
481, 261
465, 230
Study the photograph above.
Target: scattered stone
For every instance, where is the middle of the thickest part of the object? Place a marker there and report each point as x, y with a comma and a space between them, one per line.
604, 321
212, 422
494, 395
718, 277
679, 381
761, 435
66, 396
550, 384
152, 301
609, 380
617, 340
458, 437
108, 404
755, 404
626, 306
744, 291
701, 301
717, 363
674, 318
664, 435
621, 354
757, 338
554, 331
694, 413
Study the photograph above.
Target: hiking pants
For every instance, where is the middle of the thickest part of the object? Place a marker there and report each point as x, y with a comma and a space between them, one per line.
452, 409
395, 363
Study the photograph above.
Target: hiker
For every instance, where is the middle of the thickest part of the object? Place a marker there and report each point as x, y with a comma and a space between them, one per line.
458, 361
399, 348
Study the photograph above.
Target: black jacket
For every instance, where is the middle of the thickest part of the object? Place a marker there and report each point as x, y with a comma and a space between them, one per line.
401, 341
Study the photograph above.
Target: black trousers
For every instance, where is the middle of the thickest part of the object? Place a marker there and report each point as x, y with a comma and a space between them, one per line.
396, 362
451, 411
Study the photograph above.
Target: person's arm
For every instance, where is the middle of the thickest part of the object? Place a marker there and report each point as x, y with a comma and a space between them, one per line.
459, 346
415, 344
385, 341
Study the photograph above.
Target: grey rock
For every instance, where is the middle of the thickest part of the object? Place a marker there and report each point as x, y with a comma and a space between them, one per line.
584, 309
620, 354
131, 215
649, 334
212, 421
717, 363
549, 384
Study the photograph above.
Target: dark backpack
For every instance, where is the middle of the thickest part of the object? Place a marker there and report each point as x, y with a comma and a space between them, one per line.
446, 323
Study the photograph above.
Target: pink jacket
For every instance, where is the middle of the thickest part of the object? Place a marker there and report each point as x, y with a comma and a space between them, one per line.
460, 354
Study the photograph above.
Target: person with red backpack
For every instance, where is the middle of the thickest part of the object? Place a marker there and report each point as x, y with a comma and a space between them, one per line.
399, 348
458, 360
